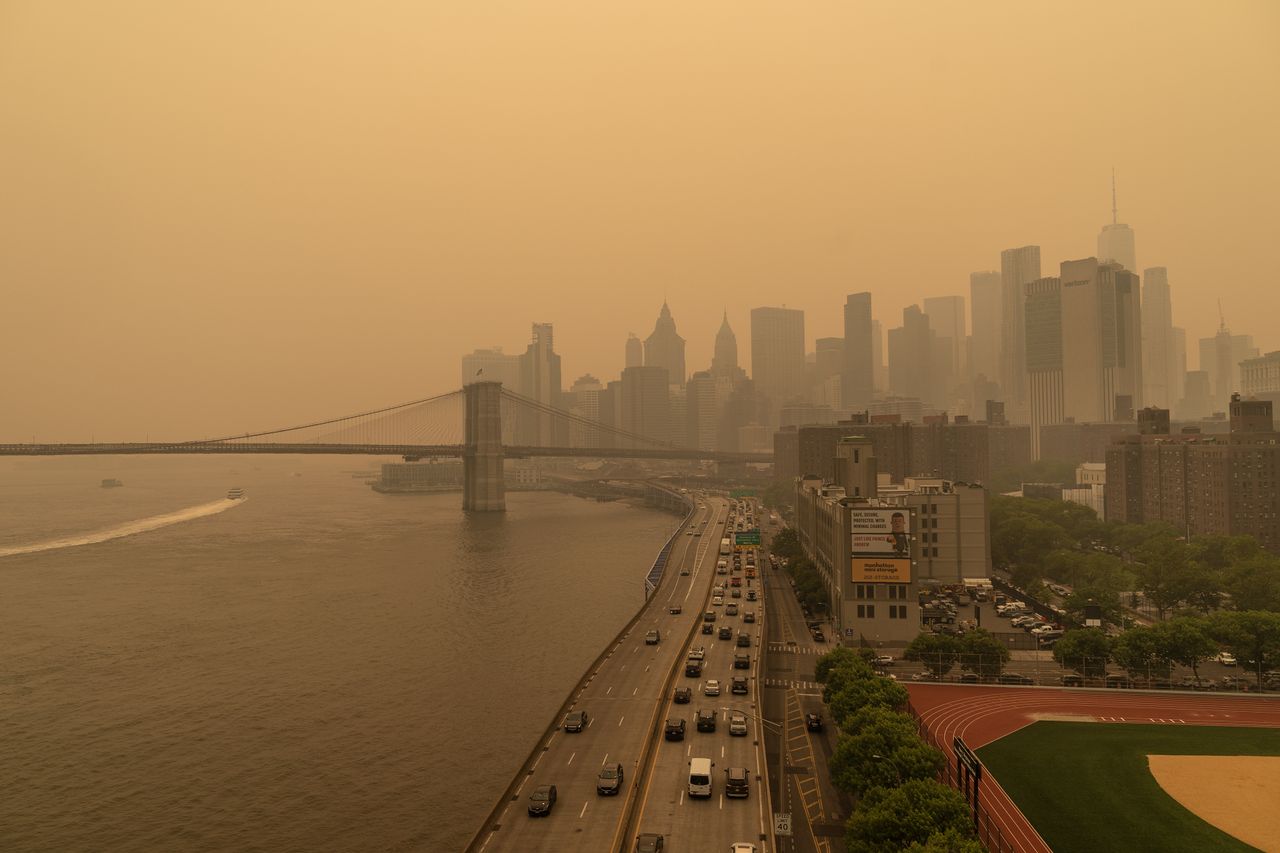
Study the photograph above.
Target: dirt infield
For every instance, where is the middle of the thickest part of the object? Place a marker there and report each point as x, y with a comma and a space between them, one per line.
982, 714
1236, 793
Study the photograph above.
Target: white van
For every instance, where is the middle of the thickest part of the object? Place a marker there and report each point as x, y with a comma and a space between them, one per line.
700, 777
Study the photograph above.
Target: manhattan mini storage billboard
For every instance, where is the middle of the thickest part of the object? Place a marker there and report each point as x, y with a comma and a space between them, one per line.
875, 570
880, 531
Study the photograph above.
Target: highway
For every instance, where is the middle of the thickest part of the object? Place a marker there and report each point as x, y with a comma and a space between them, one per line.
626, 699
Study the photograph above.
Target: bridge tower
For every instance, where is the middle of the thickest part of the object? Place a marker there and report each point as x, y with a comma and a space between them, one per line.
482, 477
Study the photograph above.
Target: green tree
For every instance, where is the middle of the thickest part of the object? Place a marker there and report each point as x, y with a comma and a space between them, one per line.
1254, 583
937, 652
1086, 650
982, 653
1185, 641
786, 544
1140, 651
951, 841
838, 657
882, 748
1221, 552
1253, 636
887, 820
1082, 596
877, 691
1163, 570
846, 672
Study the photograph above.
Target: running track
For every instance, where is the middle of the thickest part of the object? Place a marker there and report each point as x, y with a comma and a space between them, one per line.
981, 715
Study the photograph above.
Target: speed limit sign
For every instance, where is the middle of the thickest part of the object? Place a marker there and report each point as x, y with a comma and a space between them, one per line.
781, 823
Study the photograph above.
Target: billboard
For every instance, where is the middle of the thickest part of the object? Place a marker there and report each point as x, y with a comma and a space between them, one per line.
881, 570
881, 531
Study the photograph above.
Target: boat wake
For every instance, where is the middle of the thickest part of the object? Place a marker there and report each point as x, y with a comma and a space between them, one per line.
130, 528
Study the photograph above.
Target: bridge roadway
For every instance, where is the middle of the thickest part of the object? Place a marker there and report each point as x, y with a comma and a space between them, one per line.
413, 451
627, 698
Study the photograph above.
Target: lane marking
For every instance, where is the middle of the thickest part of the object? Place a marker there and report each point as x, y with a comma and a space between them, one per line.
620, 719
584, 810
570, 761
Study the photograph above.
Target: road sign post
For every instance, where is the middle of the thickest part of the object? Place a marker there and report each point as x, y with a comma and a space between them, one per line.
782, 823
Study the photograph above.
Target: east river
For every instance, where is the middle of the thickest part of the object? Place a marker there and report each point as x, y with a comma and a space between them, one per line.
318, 667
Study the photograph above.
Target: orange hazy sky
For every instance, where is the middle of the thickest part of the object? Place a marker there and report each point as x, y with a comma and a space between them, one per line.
218, 217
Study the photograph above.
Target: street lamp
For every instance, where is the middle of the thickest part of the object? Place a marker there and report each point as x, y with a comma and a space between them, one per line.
896, 771
778, 729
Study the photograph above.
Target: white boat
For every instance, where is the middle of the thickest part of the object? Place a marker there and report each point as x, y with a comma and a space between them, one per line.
235, 494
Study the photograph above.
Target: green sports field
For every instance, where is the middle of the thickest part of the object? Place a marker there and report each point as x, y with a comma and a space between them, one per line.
1086, 786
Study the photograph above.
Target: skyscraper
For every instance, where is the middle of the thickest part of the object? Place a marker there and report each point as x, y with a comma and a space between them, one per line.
1043, 322
540, 380
1018, 268
583, 400
646, 404
1159, 373
635, 352
701, 411
1220, 357
946, 318
665, 348
1115, 241
496, 365
985, 303
1101, 339
857, 382
777, 354
913, 352
724, 361
828, 371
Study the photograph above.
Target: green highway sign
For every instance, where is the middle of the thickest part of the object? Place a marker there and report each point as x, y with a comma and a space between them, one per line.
747, 537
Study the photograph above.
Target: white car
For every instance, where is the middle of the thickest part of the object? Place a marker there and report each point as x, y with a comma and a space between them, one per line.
717, 601
742, 847
711, 688
884, 660
737, 724
1227, 659
697, 653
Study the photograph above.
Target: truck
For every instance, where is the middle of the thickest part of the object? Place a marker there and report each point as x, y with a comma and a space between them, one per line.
726, 547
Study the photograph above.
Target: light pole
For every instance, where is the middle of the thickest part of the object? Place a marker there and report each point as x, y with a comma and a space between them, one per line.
778, 729
896, 771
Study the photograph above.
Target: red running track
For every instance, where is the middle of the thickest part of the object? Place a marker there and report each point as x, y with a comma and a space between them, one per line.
981, 715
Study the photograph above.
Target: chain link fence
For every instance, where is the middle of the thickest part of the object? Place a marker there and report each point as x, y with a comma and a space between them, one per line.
1080, 672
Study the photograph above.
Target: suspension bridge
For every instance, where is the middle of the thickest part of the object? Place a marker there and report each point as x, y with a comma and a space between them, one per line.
482, 422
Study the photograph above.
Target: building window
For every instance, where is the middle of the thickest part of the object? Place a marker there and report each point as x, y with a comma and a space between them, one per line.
897, 611
866, 611
864, 590
898, 591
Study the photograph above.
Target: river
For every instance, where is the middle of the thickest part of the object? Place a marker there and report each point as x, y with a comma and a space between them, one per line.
318, 667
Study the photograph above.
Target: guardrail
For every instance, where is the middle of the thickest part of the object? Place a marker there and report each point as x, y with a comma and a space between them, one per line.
654, 577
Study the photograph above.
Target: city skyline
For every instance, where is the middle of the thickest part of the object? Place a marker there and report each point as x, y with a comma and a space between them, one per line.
234, 251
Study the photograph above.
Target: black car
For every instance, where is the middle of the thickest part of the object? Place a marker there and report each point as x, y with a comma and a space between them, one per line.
707, 720
708, 628
1015, 678
819, 637
970, 678
674, 729
742, 660
1073, 681
738, 684
575, 721
813, 721
682, 696
542, 800
693, 668
744, 639
610, 779
726, 633
650, 842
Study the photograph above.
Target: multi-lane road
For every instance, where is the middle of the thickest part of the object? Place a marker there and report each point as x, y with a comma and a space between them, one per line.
627, 698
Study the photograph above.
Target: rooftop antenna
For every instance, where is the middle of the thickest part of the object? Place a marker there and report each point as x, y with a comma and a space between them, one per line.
1114, 218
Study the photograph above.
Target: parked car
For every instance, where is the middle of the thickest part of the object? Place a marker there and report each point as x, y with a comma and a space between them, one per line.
970, 678
674, 730
542, 800
1070, 680
609, 781
1118, 681
884, 660
1015, 678
1227, 659
576, 721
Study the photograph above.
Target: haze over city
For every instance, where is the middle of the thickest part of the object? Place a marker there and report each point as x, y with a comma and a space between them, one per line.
221, 221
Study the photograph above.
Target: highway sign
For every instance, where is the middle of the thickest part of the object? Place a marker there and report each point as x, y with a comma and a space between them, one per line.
782, 823
744, 538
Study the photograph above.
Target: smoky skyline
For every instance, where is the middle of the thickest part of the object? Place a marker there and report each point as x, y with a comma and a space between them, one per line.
217, 220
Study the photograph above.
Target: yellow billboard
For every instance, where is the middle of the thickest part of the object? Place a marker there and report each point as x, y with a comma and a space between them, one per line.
875, 570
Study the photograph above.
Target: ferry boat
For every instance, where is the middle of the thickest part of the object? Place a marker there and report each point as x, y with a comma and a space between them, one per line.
235, 494
111, 483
